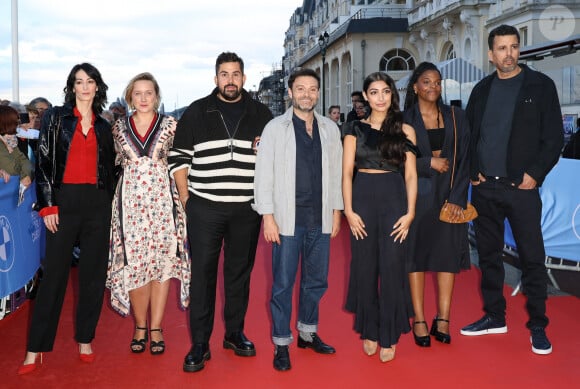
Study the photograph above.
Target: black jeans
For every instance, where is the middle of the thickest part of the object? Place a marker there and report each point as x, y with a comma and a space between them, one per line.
209, 224
84, 215
495, 200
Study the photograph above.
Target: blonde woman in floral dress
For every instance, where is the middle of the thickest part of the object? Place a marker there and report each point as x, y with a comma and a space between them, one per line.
148, 237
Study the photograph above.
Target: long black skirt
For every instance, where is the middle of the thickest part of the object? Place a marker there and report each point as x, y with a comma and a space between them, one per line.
434, 245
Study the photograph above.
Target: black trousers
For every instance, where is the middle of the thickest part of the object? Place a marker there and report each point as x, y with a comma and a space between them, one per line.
84, 215
495, 200
378, 290
209, 225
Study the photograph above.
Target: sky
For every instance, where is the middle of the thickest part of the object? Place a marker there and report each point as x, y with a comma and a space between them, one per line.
177, 41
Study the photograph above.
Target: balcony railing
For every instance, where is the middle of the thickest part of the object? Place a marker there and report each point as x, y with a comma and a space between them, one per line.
393, 11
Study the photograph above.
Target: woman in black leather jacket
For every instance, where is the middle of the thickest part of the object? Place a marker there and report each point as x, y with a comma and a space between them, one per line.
75, 181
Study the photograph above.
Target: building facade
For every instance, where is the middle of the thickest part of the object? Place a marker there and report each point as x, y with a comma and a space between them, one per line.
365, 36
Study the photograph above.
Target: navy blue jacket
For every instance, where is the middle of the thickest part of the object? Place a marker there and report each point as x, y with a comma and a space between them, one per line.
430, 180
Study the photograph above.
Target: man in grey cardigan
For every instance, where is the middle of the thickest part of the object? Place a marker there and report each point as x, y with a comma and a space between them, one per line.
297, 188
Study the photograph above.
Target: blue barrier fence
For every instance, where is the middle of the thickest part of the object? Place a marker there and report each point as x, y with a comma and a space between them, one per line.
22, 231
21, 237
560, 195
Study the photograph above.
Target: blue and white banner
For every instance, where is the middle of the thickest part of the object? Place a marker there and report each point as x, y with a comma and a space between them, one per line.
560, 195
21, 237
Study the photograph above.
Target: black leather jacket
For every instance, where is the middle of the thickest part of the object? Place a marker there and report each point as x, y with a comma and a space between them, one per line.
56, 133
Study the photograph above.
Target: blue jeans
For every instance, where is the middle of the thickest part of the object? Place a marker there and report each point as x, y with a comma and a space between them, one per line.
314, 248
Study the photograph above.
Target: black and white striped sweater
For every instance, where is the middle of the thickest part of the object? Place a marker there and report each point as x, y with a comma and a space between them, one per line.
221, 168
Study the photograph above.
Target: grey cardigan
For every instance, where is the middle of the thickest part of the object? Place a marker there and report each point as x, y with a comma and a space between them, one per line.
275, 174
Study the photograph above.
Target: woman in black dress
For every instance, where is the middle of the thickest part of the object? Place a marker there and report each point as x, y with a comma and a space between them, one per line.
434, 245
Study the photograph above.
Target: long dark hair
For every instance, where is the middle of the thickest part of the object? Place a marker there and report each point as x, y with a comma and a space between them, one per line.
411, 97
393, 138
100, 96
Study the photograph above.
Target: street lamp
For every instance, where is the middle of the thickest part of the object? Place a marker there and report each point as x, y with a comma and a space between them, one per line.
323, 44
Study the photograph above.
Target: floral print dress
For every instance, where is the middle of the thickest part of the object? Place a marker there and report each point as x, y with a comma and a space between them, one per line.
148, 227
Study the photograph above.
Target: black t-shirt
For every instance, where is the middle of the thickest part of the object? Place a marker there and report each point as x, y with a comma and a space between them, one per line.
496, 125
232, 114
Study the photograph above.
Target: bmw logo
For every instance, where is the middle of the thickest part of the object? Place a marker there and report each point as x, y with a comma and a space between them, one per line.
6, 245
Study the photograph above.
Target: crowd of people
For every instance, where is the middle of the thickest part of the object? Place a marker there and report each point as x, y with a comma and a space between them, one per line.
148, 198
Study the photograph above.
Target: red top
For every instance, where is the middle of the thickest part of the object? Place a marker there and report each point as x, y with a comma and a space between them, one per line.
81, 164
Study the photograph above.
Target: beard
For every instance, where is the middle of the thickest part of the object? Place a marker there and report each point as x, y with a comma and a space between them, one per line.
504, 68
308, 107
230, 95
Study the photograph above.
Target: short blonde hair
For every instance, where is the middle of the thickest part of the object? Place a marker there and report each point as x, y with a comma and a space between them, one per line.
146, 76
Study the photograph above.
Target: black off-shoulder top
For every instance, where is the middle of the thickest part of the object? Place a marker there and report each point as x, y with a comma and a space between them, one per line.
368, 154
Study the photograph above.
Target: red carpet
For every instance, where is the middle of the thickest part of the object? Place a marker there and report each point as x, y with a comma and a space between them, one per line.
469, 362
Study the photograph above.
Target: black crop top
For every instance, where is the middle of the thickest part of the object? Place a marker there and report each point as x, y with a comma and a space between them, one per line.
436, 138
368, 155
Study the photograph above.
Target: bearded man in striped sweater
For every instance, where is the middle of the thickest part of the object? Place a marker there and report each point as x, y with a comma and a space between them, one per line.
212, 162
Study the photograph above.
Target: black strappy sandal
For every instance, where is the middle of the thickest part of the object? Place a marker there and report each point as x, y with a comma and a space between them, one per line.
421, 341
138, 345
159, 346
440, 336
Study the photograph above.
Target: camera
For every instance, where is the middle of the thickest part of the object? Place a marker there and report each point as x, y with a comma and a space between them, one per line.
24, 118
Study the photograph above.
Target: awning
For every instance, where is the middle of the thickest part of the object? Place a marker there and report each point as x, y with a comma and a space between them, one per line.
460, 70
554, 49
456, 69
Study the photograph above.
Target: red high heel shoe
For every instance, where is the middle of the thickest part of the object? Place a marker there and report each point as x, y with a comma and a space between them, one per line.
29, 368
86, 358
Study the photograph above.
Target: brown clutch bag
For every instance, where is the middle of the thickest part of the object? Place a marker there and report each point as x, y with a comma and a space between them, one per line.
470, 212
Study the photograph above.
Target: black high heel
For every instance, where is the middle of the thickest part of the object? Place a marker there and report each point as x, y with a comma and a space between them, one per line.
138, 345
160, 346
440, 336
421, 341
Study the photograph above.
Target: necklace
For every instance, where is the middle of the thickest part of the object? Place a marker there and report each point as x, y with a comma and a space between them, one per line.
427, 115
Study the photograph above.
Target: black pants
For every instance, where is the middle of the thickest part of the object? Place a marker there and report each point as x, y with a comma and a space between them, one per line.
378, 290
209, 224
495, 200
84, 215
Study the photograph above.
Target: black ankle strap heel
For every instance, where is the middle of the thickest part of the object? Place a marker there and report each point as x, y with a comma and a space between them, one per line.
440, 336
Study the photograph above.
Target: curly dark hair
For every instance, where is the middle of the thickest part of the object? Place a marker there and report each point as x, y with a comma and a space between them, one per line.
393, 139
100, 96
411, 97
228, 56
